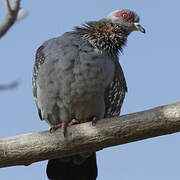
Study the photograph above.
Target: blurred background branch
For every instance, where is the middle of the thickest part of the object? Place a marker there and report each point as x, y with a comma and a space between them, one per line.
11, 15
11, 85
14, 13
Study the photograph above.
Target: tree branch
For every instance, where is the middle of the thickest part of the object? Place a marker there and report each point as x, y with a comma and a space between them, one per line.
11, 16
28, 148
12, 85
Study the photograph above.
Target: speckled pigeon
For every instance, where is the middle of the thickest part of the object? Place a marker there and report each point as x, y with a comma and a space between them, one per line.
77, 78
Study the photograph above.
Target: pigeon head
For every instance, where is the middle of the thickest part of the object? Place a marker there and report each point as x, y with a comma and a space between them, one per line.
110, 34
127, 19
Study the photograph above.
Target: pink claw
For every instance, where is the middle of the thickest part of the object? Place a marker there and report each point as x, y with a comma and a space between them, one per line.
63, 126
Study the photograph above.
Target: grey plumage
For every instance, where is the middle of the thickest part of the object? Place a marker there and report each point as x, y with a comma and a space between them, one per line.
78, 76
73, 79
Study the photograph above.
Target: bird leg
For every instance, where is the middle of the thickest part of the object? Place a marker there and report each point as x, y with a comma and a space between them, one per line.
63, 126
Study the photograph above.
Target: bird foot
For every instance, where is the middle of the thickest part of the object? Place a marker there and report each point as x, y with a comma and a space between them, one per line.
73, 121
94, 121
63, 126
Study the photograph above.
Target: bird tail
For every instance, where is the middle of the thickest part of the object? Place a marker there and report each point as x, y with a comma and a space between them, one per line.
77, 167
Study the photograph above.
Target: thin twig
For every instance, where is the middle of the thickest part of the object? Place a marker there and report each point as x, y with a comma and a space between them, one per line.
12, 85
11, 16
8, 6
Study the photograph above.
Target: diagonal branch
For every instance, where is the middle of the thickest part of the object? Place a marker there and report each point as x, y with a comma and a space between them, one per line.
11, 16
28, 148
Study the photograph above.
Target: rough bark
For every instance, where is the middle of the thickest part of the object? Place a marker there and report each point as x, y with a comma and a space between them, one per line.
28, 148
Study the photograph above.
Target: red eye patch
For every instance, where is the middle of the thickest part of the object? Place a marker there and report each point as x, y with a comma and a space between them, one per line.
125, 15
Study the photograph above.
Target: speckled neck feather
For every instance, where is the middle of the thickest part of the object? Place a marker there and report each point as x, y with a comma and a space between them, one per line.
105, 36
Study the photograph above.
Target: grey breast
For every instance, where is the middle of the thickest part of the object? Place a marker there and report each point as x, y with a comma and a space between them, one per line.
72, 80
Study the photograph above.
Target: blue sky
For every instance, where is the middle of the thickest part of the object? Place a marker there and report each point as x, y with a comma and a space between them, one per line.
151, 65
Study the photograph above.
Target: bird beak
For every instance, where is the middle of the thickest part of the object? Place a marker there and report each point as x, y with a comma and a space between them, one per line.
138, 27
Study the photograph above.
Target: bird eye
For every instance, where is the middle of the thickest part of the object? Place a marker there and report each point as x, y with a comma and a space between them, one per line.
124, 15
